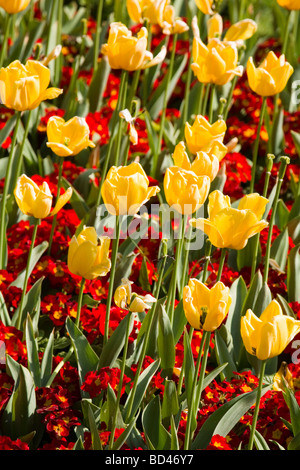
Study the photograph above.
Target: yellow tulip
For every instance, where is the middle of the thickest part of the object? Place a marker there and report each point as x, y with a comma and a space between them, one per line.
271, 76
184, 190
14, 6
36, 201
227, 227
127, 52
204, 164
171, 24
206, 6
289, 4
283, 378
68, 138
88, 255
241, 30
202, 136
214, 26
126, 299
150, 10
268, 335
126, 188
24, 87
216, 62
206, 308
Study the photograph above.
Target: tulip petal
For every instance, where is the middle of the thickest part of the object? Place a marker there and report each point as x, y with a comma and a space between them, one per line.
62, 200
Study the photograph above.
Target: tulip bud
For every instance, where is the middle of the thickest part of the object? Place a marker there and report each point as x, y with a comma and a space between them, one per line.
88, 255
206, 308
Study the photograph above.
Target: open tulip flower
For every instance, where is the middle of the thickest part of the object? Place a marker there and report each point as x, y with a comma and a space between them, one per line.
88, 255
227, 227
126, 188
289, 4
204, 164
237, 32
216, 62
36, 201
14, 6
268, 335
127, 52
67, 138
185, 191
24, 87
271, 76
202, 136
126, 299
206, 308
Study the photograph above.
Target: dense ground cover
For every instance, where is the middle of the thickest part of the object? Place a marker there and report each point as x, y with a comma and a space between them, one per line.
124, 325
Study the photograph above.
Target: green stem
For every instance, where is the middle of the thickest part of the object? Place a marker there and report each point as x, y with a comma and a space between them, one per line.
7, 24
256, 411
97, 36
7, 183
164, 109
117, 404
205, 99
59, 183
58, 60
114, 254
35, 227
284, 162
115, 116
120, 127
211, 103
173, 287
20, 161
207, 256
200, 100
196, 389
229, 98
79, 302
269, 165
256, 144
221, 264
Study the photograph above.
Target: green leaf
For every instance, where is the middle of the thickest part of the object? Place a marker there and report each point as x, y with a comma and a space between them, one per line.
46, 364
189, 368
166, 345
19, 417
253, 292
36, 254
32, 302
294, 409
115, 343
155, 432
279, 249
4, 315
293, 274
96, 442
124, 436
223, 420
87, 359
260, 442
32, 352
179, 321
224, 348
238, 292
142, 385
170, 404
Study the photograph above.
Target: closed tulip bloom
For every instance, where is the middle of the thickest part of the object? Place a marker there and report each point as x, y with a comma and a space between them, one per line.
14, 6
206, 308
206, 6
171, 24
289, 4
126, 188
127, 52
204, 164
271, 76
184, 190
227, 227
24, 87
268, 335
216, 62
126, 299
88, 255
68, 138
201, 135
36, 201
